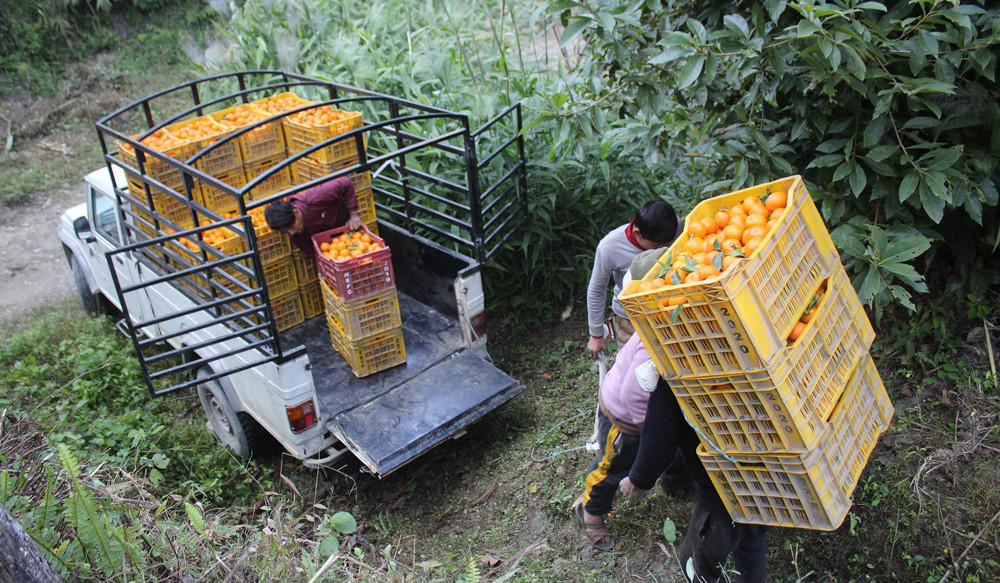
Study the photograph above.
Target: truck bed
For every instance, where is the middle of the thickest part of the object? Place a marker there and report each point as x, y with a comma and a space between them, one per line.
392, 416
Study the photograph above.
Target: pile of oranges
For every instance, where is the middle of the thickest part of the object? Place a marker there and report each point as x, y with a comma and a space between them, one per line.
215, 237
197, 129
323, 115
240, 117
716, 243
281, 103
348, 246
161, 140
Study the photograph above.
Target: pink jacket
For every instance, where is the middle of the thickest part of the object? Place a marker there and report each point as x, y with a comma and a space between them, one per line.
622, 399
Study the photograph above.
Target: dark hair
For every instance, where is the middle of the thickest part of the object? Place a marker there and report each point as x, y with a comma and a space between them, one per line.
279, 215
657, 221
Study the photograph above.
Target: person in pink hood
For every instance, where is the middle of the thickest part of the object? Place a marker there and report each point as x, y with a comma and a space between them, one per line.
622, 399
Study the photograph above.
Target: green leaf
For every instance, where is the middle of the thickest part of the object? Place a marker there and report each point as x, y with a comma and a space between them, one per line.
675, 314
698, 29
858, 180
880, 153
692, 69
871, 6
736, 23
848, 241
906, 248
932, 204
343, 522
329, 546
559, 100
945, 158
871, 284
607, 20
874, 131
573, 30
669, 530
195, 518
908, 274
879, 240
908, 186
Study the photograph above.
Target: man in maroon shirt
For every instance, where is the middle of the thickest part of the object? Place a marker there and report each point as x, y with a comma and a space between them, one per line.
323, 207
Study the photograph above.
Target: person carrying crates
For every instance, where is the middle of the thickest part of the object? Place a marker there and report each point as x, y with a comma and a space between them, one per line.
712, 536
323, 207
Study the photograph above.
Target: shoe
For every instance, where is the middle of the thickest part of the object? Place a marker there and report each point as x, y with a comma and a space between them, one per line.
597, 532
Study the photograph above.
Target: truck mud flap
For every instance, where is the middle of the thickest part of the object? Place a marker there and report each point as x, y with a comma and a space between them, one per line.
395, 427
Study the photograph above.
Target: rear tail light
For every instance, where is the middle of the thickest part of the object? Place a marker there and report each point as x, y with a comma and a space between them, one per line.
301, 416
478, 322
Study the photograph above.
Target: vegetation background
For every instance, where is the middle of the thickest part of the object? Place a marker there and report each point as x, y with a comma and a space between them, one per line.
888, 110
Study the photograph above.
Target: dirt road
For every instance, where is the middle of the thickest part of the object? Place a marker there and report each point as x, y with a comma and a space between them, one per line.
34, 274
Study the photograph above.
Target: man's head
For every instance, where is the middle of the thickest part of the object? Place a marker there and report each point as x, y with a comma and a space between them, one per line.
655, 224
282, 216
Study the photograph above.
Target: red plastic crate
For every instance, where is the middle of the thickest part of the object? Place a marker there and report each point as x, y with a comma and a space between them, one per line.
811, 490
785, 406
363, 317
357, 277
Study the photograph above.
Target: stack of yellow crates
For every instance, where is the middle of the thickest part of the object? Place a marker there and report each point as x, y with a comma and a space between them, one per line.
770, 363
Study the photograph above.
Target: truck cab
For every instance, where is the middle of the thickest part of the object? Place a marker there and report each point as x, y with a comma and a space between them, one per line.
209, 319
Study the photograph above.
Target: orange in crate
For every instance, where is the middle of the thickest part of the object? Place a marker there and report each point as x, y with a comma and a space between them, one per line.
356, 266
279, 103
203, 132
784, 408
810, 490
309, 128
264, 141
740, 318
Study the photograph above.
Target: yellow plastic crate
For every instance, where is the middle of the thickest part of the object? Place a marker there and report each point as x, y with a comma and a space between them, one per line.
287, 310
361, 318
278, 103
280, 277
216, 199
312, 299
299, 137
811, 490
740, 319
276, 182
156, 168
371, 354
265, 141
305, 268
223, 158
273, 246
164, 203
306, 169
785, 407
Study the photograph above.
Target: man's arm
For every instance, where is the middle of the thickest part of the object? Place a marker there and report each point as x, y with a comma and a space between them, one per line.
597, 297
339, 191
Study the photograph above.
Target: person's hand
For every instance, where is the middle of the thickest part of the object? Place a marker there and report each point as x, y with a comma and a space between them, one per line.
596, 345
630, 491
354, 221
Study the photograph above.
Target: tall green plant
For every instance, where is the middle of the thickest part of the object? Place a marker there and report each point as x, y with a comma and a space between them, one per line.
889, 110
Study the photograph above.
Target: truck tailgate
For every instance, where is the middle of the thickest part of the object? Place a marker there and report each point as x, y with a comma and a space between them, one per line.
388, 418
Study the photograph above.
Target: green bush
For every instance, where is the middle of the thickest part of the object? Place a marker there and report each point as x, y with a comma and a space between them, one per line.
889, 111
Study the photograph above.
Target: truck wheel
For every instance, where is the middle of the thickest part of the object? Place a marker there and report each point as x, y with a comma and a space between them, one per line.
92, 303
239, 431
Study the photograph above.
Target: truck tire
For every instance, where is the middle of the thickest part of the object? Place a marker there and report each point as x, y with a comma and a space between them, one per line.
237, 430
91, 303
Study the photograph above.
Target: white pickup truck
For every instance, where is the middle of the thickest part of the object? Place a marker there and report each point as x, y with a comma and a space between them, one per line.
195, 324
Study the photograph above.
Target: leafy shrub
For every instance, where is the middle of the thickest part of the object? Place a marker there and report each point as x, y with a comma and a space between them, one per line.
888, 110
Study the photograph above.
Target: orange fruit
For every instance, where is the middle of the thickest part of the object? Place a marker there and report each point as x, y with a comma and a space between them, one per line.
676, 301
728, 260
712, 242
722, 219
753, 233
796, 331
776, 214
710, 225
707, 271
757, 209
738, 219
692, 277
751, 246
730, 245
749, 202
697, 230
756, 220
776, 200
733, 231
693, 245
